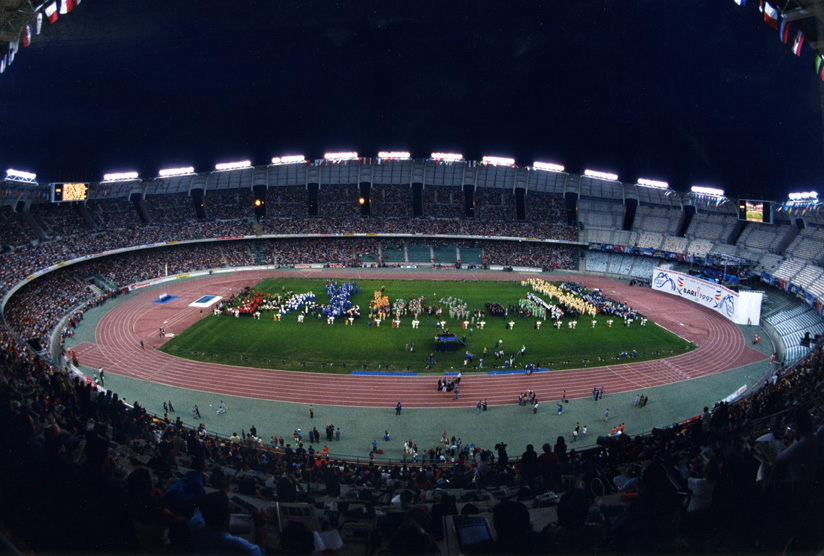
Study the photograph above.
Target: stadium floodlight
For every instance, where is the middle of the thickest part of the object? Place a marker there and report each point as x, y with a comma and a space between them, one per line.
548, 166
233, 165
120, 176
498, 161
341, 156
167, 172
701, 190
397, 155
804, 196
446, 156
601, 175
19, 175
289, 159
653, 183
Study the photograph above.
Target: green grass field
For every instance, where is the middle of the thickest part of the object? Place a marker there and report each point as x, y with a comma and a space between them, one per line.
317, 346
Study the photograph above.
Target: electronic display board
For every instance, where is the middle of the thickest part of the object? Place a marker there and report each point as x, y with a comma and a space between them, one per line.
755, 211
69, 192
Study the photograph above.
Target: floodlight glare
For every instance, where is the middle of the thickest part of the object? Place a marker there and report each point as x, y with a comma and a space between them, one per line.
804, 196
19, 174
707, 190
233, 165
290, 159
394, 154
341, 156
548, 166
446, 156
498, 161
601, 175
166, 172
120, 176
653, 183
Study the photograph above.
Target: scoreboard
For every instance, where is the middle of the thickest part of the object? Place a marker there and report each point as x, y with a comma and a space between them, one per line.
69, 192
755, 211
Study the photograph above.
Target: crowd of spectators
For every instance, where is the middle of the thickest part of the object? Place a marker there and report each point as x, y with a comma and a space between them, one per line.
495, 204
706, 484
80, 456
443, 202
391, 201
36, 308
228, 205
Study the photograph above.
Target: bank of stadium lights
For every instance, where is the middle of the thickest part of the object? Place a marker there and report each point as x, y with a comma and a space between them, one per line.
806, 196
120, 176
19, 175
168, 172
498, 161
658, 184
601, 175
341, 156
711, 191
446, 156
290, 159
548, 166
233, 165
395, 155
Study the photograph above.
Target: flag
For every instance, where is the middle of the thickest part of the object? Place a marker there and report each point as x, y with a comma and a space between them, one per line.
784, 31
799, 41
66, 6
27, 36
39, 22
741, 2
819, 66
51, 12
3, 64
771, 14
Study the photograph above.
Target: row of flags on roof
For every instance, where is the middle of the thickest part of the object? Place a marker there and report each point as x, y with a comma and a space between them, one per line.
708, 201
788, 33
51, 12
796, 208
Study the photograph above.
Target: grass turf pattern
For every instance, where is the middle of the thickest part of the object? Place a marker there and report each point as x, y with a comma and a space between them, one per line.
315, 345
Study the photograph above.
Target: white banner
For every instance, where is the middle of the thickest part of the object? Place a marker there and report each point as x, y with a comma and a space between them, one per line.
709, 294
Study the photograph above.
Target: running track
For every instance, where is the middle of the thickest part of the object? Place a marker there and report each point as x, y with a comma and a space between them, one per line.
117, 349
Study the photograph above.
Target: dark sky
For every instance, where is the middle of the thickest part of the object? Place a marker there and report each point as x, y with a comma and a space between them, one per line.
696, 93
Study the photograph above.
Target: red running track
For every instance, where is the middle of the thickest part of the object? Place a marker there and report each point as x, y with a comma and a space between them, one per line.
721, 347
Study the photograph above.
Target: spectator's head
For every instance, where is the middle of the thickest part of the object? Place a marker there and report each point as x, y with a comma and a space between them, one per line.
215, 510
296, 538
511, 521
573, 508
410, 538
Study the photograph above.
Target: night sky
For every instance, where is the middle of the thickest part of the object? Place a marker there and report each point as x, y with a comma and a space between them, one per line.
695, 93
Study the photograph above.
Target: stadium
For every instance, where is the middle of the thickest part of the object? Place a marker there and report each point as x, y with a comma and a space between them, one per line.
104, 279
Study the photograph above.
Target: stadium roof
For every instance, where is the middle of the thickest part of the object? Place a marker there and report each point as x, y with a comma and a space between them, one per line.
700, 93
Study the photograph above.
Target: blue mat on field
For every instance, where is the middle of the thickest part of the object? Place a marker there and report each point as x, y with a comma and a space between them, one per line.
381, 373
516, 372
165, 299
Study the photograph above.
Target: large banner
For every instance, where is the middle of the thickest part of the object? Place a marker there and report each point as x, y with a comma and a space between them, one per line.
709, 294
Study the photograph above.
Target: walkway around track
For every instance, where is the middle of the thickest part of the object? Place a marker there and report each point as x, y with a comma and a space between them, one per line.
721, 347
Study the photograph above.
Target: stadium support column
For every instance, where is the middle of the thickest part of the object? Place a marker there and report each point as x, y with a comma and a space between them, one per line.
365, 198
630, 206
520, 204
196, 195
139, 204
312, 198
259, 194
417, 200
469, 200
571, 200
